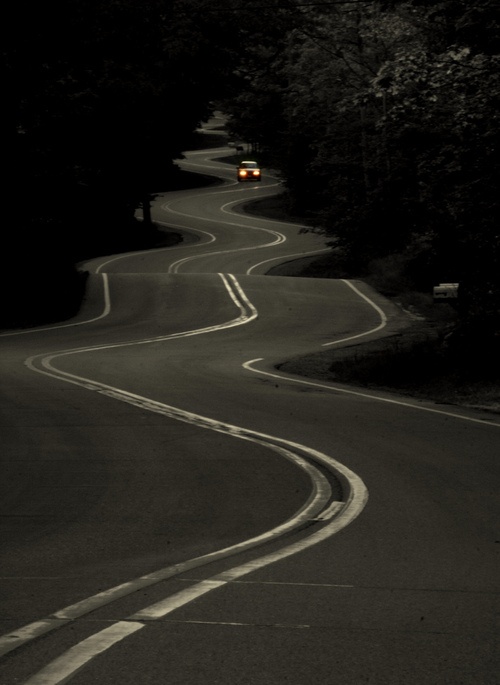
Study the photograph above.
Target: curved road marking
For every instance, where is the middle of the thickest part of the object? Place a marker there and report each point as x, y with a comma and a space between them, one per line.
280, 237
249, 366
117, 258
282, 257
324, 386
227, 209
105, 312
248, 313
66, 666
319, 500
380, 312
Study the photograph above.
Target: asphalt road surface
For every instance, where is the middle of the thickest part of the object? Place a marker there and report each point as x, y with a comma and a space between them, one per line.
176, 510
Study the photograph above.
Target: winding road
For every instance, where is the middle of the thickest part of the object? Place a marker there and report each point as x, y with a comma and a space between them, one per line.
177, 510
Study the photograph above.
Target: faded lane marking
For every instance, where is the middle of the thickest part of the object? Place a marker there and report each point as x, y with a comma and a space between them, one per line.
275, 582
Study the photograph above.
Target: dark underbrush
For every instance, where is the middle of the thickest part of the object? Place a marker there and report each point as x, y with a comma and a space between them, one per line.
425, 360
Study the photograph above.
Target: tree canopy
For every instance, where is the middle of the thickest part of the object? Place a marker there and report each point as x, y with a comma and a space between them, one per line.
385, 127
102, 96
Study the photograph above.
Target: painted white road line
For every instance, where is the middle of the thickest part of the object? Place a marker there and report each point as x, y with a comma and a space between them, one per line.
380, 312
302, 456
168, 207
279, 238
333, 510
247, 314
211, 238
351, 510
285, 258
177, 600
102, 315
249, 366
320, 495
228, 209
319, 498
62, 669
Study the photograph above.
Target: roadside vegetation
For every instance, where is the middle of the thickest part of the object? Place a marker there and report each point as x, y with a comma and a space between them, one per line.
421, 361
383, 120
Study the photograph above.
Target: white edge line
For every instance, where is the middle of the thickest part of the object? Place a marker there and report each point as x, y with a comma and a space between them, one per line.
104, 313
286, 258
126, 255
247, 315
380, 312
249, 366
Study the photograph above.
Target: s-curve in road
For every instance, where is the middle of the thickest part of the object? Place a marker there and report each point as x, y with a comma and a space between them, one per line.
175, 509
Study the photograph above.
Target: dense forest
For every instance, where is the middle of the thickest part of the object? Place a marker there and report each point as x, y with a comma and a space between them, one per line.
381, 117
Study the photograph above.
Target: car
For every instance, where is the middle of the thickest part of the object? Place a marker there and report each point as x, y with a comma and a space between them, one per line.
248, 171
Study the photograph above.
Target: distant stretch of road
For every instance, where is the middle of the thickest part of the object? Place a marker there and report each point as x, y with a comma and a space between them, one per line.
175, 509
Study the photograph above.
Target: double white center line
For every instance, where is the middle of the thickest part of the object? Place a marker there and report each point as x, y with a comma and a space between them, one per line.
338, 514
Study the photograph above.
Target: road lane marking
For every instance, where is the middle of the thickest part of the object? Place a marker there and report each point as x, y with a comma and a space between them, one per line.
167, 207
238, 624
249, 366
105, 312
228, 209
117, 258
62, 669
65, 667
175, 266
286, 258
177, 600
320, 495
279, 238
380, 312
247, 314
319, 498
333, 510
